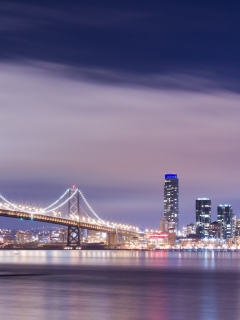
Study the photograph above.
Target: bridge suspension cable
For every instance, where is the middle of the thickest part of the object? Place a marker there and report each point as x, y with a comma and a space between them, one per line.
11, 204
52, 207
81, 208
4, 205
62, 196
64, 202
44, 210
89, 207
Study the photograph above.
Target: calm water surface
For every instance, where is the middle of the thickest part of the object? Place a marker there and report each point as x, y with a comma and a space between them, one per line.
114, 285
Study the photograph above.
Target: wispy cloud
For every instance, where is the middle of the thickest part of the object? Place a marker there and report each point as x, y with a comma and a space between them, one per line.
182, 79
160, 47
59, 129
17, 17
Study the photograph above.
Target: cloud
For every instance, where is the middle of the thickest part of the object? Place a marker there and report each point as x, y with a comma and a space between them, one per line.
116, 140
178, 79
19, 17
160, 47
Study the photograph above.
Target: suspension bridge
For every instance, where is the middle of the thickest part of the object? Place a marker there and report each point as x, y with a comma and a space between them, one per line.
80, 215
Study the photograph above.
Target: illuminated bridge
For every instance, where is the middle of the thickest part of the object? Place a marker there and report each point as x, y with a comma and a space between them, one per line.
76, 218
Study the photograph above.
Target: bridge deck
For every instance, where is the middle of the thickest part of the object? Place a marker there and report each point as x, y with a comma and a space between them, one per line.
63, 222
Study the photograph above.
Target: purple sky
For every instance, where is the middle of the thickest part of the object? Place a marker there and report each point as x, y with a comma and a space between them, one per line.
112, 97
116, 142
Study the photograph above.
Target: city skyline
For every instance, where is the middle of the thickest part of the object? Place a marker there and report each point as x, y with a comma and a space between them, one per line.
169, 215
110, 97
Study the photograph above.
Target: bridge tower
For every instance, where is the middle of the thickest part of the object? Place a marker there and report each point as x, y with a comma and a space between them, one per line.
73, 236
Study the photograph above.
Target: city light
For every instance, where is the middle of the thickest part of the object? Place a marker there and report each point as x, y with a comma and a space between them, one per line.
214, 236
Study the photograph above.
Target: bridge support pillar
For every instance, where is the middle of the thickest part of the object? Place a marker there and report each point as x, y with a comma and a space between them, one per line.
73, 237
112, 239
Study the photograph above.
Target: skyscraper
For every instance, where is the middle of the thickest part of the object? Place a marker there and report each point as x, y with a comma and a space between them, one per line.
225, 217
203, 216
234, 224
237, 232
171, 211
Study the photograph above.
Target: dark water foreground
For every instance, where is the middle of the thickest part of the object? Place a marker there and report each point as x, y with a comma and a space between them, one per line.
119, 285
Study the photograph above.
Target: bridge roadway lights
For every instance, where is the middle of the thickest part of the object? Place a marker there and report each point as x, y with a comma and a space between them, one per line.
73, 237
112, 239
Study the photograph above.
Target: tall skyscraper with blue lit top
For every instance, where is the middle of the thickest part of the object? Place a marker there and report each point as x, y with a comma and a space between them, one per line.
171, 193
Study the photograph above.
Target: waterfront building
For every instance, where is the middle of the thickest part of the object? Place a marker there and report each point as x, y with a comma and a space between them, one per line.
63, 235
44, 236
224, 216
172, 236
23, 236
189, 241
157, 239
203, 216
215, 230
234, 224
237, 231
54, 236
171, 194
8, 236
164, 225
189, 229
96, 236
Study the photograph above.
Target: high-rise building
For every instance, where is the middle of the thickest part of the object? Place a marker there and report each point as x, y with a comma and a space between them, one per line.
164, 225
237, 231
171, 211
189, 229
234, 224
225, 217
203, 216
215, 230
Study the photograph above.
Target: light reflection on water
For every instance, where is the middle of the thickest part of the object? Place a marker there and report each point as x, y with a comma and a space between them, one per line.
119, 285
207, 260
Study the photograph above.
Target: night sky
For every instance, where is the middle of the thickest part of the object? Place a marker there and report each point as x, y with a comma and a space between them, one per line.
112, 95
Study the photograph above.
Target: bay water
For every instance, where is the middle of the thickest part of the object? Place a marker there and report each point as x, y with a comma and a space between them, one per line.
113, 285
